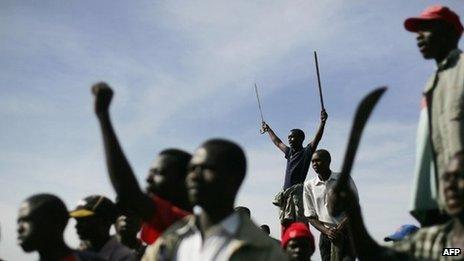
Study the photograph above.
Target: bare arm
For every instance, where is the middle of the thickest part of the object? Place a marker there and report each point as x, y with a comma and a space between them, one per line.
320, 131
120, 173
276, 140
319, 226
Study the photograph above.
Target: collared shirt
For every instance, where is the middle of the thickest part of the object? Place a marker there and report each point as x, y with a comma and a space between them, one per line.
315, 198
426, 244
115, 251
164, 216
248, 242
215, 244
444, 93
298, 162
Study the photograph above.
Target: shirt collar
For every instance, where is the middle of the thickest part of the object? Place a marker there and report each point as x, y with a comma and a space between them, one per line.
333, 176
449, 60
228, 225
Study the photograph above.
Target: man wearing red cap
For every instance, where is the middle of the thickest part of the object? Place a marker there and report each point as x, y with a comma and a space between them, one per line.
441, 124
298, 242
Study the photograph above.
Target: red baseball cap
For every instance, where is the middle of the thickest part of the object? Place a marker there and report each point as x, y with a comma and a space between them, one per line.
434, 12
297, 230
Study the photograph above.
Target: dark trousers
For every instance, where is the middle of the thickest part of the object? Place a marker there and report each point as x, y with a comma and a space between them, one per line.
325, 246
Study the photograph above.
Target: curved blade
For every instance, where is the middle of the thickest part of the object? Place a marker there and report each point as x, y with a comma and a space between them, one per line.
363, 112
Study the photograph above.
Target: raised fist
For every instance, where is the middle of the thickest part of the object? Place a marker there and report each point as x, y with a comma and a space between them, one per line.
324, 115
264, 127
103, 95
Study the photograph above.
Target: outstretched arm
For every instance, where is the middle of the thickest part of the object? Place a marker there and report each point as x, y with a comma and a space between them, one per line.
276, 140
121, 174
320, 131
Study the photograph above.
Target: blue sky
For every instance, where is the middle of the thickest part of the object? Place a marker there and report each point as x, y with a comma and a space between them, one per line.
183, 72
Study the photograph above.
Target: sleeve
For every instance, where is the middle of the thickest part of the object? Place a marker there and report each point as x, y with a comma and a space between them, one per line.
308, 151
287, 152
308, 203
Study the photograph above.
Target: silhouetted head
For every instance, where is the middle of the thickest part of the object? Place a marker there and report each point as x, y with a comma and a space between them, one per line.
94, 217
296, 138
321, 161
42, 219
265, 228
243, 210
215, 174
167, 173
453, 186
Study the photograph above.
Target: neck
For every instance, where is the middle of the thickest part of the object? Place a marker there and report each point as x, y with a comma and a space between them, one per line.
54, 250
182, 201
209, 218
98, 242
325, 174
443, 55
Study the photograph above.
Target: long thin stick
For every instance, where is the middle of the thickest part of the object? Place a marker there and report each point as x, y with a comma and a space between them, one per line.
319, 80
259, 103
260, 110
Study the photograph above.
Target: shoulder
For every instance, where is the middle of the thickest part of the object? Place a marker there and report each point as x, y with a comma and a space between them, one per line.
424, 238
87, 256
117, 251
308, 184
253, 238
460, 63
124, 253
168, 239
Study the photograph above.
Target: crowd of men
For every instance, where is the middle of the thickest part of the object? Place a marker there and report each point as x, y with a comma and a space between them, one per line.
187, 211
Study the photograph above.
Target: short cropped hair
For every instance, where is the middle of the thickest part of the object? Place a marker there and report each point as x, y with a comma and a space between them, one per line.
324, 154
181, 158
228, 155
299, 132
51, 207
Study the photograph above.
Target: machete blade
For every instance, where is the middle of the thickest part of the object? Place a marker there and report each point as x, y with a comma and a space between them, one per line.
363, 112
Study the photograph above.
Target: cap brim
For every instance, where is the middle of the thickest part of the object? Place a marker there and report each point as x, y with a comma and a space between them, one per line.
412, 24
387, 239
80, 213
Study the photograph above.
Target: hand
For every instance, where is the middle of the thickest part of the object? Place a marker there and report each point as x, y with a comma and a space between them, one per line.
324, 116
332, 233
264, 127
103, 95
